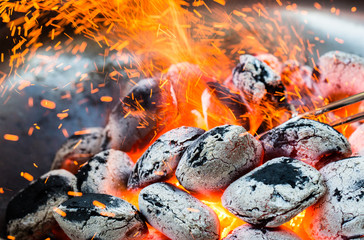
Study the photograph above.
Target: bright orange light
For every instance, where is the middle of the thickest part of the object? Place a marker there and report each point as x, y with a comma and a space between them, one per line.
48, 104
27, 176
99, 204
11, 137
106, 99
59, 211
74, 194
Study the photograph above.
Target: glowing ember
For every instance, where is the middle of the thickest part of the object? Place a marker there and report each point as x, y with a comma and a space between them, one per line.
11, 137
149, 36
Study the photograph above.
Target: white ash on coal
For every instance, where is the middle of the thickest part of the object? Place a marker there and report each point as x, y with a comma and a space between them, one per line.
107, 172
356, 141
147, 109
339, 74
221, 106
312, 142
217, 158
100, 216
250, 232
160, 160
340, 213
275, 192
29, 214
257, 81
178, 214
87, 145
271, 60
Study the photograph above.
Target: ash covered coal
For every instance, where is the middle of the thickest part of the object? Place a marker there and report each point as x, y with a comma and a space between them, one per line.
274, 193
312, 142
87, 145
160, 160
257, 81
107, 172
146, 109
250, 232
356, 141
339, 74
221, 106
217, 158
340, 213
100, 216
178, 214
29, 214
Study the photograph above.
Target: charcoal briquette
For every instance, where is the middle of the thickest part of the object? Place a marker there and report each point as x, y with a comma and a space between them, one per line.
217, 158
178, 214
160, 160
100, 216
340, 213
275, 192
29, 214
147, 109
107, 172
312, 142
257, 81
80, 149
339, 74
356, 141
250, 232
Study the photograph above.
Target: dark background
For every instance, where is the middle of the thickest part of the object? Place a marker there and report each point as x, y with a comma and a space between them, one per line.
16, 116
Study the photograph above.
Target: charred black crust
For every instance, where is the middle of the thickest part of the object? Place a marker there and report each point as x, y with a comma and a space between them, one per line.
194, 158
80, 209
275, 92
280, 173
82, 174
37, 194
141, 94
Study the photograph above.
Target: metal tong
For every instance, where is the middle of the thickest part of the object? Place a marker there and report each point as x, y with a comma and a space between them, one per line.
335, 106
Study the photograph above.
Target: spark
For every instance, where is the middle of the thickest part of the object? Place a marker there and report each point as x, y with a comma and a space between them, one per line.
27, 176
48, 104
59, 211
106, 99
74, 194
11, 137
99, 204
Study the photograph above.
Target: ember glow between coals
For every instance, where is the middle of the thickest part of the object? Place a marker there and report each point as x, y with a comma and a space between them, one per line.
150, 36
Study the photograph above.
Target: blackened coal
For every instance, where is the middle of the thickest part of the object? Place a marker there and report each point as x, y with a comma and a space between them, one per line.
160, 160
220, 95
257, 81
100, 216
29, 213
177, 214
250, 232
307, 140
107, 172
87, 145
280, 173
148, 107
271, 201
217, 158
340, 213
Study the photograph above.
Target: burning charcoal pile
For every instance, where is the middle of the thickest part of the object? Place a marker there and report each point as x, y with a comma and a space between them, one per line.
203, 178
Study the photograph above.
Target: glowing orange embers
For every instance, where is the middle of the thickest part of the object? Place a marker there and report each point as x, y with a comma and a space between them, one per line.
149, 36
